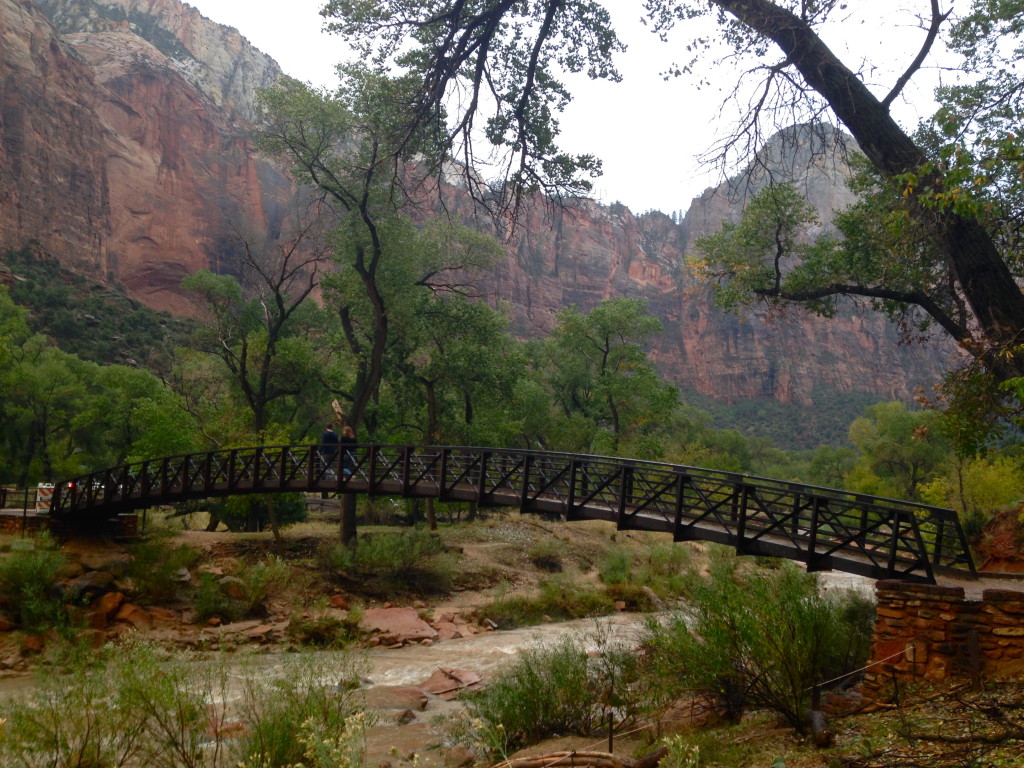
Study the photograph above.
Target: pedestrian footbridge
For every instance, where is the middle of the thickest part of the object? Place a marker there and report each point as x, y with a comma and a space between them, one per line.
824, 528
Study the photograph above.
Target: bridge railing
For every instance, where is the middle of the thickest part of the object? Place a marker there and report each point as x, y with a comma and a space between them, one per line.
819, 526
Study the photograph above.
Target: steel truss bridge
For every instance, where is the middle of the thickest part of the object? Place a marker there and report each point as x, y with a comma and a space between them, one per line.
824, 528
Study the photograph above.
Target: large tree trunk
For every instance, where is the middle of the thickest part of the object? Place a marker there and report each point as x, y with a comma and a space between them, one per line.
968, 248
348, 519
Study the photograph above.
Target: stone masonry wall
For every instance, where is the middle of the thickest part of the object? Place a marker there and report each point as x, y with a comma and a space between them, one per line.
934, 633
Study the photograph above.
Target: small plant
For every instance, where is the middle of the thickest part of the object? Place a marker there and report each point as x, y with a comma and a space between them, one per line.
28, 584
758, 638
557, 689
210, 600
617, 566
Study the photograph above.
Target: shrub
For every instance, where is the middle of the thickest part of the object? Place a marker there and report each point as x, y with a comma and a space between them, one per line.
758, 638
251, 512
131, 706
413, 560
28, 584
309, 698
546, 554
559, 600
557, 689
155, 567
210, 600
616, 566
662, 568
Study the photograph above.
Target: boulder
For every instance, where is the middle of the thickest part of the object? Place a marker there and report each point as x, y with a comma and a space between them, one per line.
108, 603
446, 682
447, 631
402, 624
135, 616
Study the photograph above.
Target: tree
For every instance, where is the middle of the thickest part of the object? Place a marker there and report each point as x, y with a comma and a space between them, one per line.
601, 379
349, 146
900, 450
260, 324
515, 57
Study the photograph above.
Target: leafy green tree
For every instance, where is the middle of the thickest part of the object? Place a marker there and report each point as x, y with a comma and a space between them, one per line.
601, 378
261, 325
899, 450
349, 145
976, 488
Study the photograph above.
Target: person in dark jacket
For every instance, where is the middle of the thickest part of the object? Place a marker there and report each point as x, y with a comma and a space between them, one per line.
328, 446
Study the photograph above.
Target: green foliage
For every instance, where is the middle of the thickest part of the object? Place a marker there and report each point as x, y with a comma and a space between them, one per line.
558, 689
759, 638
136, 706
253, 512
126, 706
29, 595
156, 567
310, 696
560, 599
404, 561
976, 489
88, 320
210, 600
663, 568
900, 449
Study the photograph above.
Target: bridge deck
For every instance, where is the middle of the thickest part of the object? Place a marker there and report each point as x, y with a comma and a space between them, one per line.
824, 528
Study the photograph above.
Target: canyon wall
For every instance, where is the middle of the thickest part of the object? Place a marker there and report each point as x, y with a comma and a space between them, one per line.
124, 151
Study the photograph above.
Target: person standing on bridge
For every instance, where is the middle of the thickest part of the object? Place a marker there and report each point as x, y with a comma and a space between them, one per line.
329, 447
348, 458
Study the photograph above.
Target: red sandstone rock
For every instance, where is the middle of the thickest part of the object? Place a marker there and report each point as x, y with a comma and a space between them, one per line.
403, 624
447, 682
108, 603
447, 631
132, 614
339, 602
144, 155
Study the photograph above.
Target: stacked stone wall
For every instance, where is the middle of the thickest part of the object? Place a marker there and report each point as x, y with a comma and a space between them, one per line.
935, 633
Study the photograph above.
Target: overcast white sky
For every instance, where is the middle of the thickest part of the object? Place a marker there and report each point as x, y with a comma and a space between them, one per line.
647, 131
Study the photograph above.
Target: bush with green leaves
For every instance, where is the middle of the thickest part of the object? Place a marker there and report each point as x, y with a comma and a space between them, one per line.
761, 638
128, 705
258, 581
568, 687
662, 567
156, 567
315, 694
254, 512
29, 595
412, 560
559, 599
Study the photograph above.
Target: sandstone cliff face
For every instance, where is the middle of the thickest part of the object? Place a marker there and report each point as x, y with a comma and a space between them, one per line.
217, 60
112, 159
123, 153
